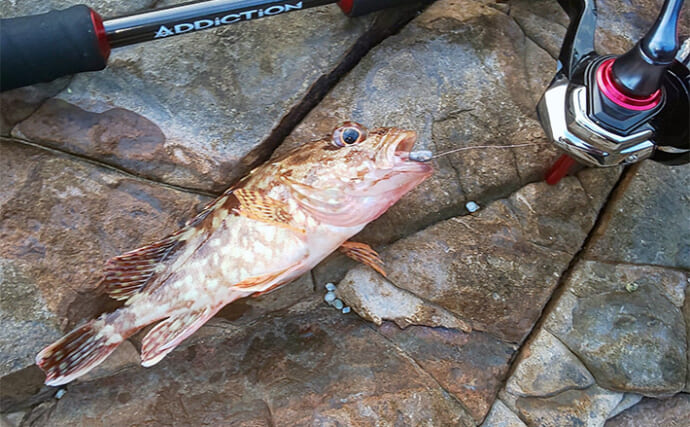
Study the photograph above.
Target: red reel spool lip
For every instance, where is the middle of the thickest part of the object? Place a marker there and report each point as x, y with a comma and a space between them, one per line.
101, 35
608, 87
346, 6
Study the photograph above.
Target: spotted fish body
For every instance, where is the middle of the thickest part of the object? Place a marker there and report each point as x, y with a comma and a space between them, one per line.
271, 227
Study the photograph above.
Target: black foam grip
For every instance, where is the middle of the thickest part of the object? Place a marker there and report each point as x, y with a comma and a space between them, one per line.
41, 48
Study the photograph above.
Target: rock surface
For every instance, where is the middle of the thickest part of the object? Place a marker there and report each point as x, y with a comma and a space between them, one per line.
60, 220
304, 366
194, 112
630, 341
498, 267
652, 225
197, 111
672, 412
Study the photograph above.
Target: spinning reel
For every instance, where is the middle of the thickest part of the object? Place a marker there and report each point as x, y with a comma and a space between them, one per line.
604, 110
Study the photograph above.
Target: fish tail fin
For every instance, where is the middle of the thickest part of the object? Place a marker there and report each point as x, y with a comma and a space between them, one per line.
78, 352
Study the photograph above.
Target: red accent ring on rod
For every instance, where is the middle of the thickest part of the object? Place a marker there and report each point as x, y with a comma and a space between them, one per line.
346, 6
101, 35
608, 87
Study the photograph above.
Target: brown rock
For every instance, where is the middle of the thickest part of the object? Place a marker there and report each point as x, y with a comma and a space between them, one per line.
208, 104
315, 367
671, 412
60, 219
496, 268
570, 408
470, 366
376, 299
546, 367
462, 74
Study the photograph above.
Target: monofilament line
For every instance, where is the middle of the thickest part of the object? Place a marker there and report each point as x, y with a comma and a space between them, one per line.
485, 147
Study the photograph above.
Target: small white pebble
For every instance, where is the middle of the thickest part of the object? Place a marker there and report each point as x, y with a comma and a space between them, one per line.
329, 297
60, 393
330, 286
346, 310
471, 207
338, 304
421, 155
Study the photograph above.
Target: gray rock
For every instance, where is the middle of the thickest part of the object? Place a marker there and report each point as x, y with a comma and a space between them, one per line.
686, 316
26, 323
671, 412
546, 368
200, 109
651, 224
376, 299
435, 76
629, 400
632, 342
501, 416
588, 407
495, 268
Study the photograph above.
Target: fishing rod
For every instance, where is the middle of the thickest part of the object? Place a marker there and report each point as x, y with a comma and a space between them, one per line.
43, 47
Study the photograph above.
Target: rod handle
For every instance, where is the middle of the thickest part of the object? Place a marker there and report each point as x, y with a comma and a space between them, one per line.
41, 48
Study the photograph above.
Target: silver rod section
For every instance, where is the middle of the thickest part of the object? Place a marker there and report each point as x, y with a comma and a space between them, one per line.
190, 17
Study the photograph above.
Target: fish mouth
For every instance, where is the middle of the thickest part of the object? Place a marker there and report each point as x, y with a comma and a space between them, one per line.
399, 153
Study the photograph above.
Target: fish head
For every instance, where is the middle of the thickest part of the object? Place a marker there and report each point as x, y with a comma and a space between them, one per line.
355, 175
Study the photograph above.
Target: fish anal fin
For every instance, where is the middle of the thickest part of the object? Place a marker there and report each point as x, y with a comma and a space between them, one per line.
169, 333
363, 253
256, 205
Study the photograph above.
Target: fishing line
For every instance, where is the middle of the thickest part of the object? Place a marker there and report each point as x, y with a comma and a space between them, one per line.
485, 147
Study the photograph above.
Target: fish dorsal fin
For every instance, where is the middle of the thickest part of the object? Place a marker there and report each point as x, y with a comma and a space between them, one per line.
169, 333
255, 204
363, 253
127, 274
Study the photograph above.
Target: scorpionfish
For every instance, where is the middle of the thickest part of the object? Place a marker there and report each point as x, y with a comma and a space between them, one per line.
272, 226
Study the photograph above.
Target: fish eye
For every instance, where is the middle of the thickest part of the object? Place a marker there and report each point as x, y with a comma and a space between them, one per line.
349, 133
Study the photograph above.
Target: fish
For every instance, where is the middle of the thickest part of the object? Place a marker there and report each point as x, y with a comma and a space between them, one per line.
272, 226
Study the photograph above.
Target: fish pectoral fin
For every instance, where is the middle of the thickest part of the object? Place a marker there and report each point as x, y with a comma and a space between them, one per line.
256, 205
258, 281
169, 333
363, 253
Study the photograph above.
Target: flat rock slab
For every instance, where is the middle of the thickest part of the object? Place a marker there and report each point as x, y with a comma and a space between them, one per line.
462, 74
494, 269
311, 367
622, 323
674, 411
649, 223
60, 220
197, 110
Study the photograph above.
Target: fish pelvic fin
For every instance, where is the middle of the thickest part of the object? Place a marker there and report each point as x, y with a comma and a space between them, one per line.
169, 333
363, 253
78, 352
129, 273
